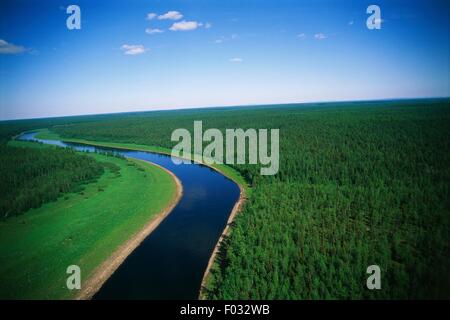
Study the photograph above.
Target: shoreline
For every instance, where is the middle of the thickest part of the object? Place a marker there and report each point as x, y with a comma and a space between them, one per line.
105, 270
226, 231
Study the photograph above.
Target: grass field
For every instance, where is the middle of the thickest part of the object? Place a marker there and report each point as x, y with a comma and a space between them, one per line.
81, 228
45, 134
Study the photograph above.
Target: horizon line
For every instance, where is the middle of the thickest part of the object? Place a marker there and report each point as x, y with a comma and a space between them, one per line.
226, 106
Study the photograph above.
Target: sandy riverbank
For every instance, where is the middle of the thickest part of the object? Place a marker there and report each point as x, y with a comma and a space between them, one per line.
107, 268
237, 207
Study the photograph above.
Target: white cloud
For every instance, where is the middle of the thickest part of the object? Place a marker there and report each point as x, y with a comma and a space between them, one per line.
185, 25
301, 35
236, 60
153, 31
208, 25
223, 39
171, 15
9, 48
151, 16
351, 23
320, 36
133, 49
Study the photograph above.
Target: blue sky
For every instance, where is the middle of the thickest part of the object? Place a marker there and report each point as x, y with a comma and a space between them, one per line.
233, 53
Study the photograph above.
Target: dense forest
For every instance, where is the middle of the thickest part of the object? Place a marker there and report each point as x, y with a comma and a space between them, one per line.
33, 176
359, 184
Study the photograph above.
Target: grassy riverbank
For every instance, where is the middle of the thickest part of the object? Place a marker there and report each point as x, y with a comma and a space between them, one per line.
45, 134
82, 228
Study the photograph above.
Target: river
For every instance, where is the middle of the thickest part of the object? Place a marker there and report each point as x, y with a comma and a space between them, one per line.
170, 262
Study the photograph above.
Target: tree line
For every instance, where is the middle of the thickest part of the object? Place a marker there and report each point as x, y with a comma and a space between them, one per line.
33, 176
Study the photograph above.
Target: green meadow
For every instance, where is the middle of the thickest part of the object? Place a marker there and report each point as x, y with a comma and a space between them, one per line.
228, 171
80, 228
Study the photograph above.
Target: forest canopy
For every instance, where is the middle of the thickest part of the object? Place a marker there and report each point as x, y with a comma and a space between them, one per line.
359, 184
33, 176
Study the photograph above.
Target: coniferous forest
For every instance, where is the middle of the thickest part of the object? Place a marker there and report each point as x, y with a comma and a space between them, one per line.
33, 176
359, 184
